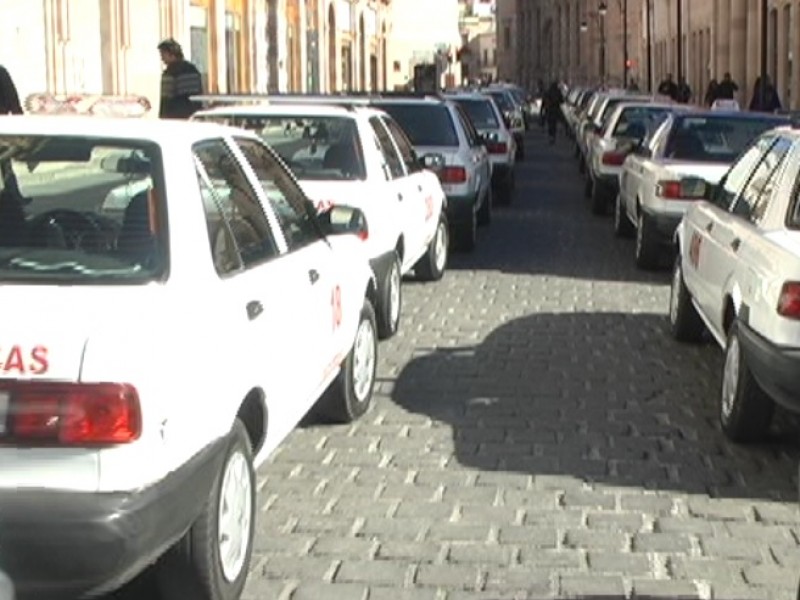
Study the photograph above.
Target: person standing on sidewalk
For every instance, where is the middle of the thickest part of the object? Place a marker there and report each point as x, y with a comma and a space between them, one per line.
551, 104
180, 81
9, 98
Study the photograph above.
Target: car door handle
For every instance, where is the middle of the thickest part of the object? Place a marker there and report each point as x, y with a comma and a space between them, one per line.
735, 243
254, 309
709, 226
313, 276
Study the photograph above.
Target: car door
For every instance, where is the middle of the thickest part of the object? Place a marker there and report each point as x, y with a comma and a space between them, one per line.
311, 276
712, 232
424, 203
479, 156
637, 164
249, 318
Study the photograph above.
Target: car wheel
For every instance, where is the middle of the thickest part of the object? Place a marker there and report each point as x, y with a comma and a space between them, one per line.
468, 233
350, 394
433, 263
745, 411
646, 249
623, 228
391, 300
485, 211
684, 321
212, 561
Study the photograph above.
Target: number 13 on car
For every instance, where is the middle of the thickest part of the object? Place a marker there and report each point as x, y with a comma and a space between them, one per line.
336, 306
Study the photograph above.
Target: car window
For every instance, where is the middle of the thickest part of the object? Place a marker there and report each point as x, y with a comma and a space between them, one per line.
480, 112
295, 213
648, 116
81, 210
238, 230
503, 102
390, 155
757, 193
403, 144
656, 142
714, 138
313, 147
425, 123
473, 138
739, 173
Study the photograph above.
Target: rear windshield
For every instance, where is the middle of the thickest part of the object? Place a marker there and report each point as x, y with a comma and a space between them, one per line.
314, 148
481, 113
715, 138
81, 211
649, 116
502, 100
425, 124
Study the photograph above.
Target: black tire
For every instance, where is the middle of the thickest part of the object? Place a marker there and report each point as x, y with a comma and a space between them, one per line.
623, 228
391, 300
685, 323
485, 211
745, 411
343, 401
431, 266
587, 186
193, 567
598, 199
647, 251
467, 234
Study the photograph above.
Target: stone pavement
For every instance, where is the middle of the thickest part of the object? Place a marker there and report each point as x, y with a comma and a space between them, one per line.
536, 434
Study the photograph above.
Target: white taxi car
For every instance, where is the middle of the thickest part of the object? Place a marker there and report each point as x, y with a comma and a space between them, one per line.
737, 274
151, 360
342, 151
655, 186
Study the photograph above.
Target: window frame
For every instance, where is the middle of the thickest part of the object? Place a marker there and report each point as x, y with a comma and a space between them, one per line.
378, 127
774, 171
400, 138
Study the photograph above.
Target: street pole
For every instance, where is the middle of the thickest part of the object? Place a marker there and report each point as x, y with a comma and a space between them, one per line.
625, 44
680, 39
602, 51
649, 48
764, 47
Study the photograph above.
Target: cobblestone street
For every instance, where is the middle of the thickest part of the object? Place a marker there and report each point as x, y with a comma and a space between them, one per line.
537, 434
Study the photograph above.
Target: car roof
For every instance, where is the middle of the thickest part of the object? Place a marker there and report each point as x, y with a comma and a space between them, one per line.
160, 131
334, 109
735, 114
467, 96
408, 100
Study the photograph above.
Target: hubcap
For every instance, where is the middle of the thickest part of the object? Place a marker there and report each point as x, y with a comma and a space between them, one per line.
675, 292
730, 377
394, 294
440, 247
364, 360
234, 517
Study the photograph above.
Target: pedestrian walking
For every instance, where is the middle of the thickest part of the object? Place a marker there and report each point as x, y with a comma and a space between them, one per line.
683, 93
712, 92
553, 100
180, 81
9, 98
768, 101
668, 87
633, 86
727, 88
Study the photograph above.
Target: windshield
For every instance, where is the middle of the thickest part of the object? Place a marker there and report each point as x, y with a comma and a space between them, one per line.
502, 100
648, 116
314, 148
425, 124
481, 113
715, 139
80, 210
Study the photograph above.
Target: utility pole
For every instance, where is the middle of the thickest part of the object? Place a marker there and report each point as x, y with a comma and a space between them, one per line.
680, 39
649, 47
764, 48
625, 44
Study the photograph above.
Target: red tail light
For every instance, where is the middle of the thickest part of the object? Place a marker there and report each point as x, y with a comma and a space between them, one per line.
614, 159
69, 414
453, 175
497, 148
669, 190
789, 301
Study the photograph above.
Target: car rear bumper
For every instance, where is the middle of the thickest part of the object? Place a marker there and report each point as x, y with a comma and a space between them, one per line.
56, 544
776, 369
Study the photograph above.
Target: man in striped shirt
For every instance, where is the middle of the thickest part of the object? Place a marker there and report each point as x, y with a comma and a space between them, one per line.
179, 81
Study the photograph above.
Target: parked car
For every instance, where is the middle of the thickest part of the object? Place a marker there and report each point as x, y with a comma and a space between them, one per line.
444, 136
513, 114
344, 152
153, 359
737, 276
653, 194
488, 120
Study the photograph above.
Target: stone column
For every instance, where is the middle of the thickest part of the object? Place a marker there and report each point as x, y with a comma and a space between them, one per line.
753, 46
781, 45
738, 48
722, 29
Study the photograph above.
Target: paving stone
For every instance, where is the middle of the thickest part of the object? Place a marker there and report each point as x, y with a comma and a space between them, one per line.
330, 591
619, 562
675, 590
449, 576
582, 586
408, 551
372, 572
661, 542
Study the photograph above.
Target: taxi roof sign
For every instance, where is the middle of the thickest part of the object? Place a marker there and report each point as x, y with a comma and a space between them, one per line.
96, 105
725, 104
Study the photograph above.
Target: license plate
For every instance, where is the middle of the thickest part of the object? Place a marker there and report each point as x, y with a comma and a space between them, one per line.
5, 400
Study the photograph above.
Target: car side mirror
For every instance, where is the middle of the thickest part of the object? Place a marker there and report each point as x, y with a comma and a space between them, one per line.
434, 162
341, 219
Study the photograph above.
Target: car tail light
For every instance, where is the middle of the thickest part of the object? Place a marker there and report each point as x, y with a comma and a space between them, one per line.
453, 175
678, 190
70, 414
614, 159
497, 148
789, 301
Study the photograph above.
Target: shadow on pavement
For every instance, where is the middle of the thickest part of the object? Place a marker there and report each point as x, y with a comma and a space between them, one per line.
608, 398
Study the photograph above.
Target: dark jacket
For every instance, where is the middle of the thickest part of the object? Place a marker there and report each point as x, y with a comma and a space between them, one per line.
179, 82
9, 99
726, 90
668, 88
771, 101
